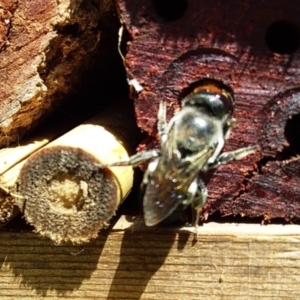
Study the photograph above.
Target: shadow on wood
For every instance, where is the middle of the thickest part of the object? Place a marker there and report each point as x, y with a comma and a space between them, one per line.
38, 265
131, 261
138, 264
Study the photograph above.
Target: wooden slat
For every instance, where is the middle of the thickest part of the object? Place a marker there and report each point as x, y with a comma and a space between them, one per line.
229, 261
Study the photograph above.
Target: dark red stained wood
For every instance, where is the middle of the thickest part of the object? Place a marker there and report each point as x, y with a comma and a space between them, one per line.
229, 41
275, 191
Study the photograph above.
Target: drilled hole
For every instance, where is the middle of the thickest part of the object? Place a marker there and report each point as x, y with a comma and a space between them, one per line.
292, 133
170, 10
283, 37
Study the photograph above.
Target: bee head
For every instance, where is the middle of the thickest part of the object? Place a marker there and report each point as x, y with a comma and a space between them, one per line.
212, 98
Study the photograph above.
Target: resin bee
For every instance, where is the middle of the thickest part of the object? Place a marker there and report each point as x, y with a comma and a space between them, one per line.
191, 142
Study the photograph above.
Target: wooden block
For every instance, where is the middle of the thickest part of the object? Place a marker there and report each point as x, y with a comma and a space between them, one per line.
130, 261
254, 48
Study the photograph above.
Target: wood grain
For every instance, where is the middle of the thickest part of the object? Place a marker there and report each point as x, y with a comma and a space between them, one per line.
129, 261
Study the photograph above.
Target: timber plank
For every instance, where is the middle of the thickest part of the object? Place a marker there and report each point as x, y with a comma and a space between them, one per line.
130, 261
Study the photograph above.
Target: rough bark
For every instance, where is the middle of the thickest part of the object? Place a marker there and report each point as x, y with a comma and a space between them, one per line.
44, 47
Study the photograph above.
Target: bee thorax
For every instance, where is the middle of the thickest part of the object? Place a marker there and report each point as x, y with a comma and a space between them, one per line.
196, 130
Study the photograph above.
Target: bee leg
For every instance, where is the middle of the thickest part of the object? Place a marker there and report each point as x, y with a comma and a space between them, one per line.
221, 141
134, 160
238, 154
151, 168
143, 186
162, 121
219, 147
197, 204
230, 123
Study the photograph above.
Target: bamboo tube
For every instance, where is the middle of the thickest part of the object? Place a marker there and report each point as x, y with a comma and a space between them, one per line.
8, 210
9, 157
62, 191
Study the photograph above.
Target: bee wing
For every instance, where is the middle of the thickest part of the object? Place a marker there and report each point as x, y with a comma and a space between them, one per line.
169, 185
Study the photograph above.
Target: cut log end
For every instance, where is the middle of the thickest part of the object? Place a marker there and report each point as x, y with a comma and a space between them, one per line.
66, 196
